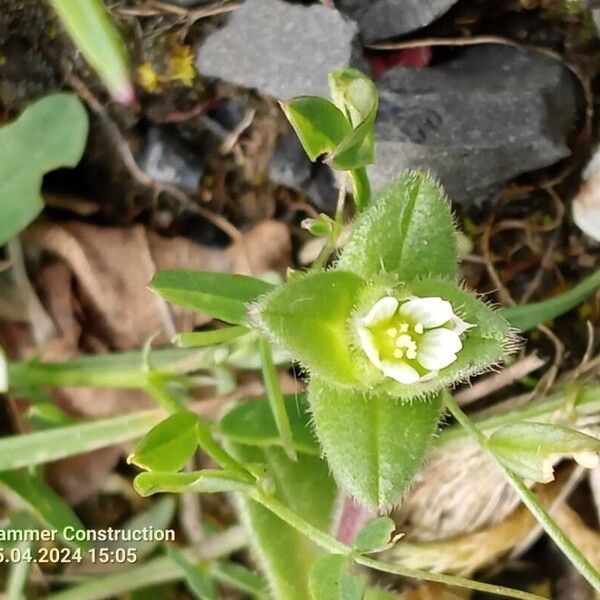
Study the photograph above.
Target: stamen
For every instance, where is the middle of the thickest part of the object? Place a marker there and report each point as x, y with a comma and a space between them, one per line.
403, 327
398, 353
419, 328
411, 354
392, 332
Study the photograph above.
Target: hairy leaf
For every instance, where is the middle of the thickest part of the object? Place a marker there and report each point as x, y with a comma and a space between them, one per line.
374, 444
217, 295
309, 315
532, 449
407, 230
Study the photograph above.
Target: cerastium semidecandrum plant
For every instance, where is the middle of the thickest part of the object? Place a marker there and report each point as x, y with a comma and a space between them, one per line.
382, 335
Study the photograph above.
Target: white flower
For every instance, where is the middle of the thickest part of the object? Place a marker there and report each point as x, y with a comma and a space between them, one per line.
411, 341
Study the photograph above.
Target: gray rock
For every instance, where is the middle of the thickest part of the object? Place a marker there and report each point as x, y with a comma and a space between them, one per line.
289, 165
475, 122
168, 159
380, 19
281, 49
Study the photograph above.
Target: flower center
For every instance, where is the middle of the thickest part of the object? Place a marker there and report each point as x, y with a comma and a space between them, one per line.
413, 340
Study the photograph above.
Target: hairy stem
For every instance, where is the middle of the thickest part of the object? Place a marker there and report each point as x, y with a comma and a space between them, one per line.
529, 499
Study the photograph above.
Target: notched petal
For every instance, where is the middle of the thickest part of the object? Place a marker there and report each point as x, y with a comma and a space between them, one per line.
429, 312
382, 310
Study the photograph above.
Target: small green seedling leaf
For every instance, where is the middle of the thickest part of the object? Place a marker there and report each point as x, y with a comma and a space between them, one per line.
357, 97
322, 226
169, 445
217, 295
309, 317
49, 134
330, 579
374, 443
532, 449
252, 423
46, 504
207, 481
92, 30
408, 230
197, 579
375, 536
319, 124
200, 339
528, 316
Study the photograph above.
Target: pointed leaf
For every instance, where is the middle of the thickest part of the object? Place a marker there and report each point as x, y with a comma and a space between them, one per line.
309, 315
198, 581
252, 423
169, 445
528, 316
374, 444
49, 134
45, 503
532, 449
407, 230
307, 488
330, 579
207, 481
217, 295
91, 28
375, 536
319, 124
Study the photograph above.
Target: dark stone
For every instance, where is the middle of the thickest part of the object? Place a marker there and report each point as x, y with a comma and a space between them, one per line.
380, 19
281, 49
289, 165
477, 121
168, 159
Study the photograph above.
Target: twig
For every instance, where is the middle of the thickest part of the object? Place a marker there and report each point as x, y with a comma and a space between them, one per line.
497, 381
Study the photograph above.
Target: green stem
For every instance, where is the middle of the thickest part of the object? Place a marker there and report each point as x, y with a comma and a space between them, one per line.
530, 501
334, 546
275, 397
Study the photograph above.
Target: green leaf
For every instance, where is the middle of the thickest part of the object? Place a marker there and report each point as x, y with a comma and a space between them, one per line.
532, 449
169, 445
309, 315
361, 188
275, 397
49, 134
375, 536
31, 449
407, 230
197, 580
46, 504
207, 481
528, 316
319, 124
217, 295
251, 422
356, 96
374, 444
306, 487
92, 30
199, 339
331, 580
241, 578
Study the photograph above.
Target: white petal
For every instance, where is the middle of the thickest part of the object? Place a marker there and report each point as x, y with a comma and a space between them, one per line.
459, 326
382, 310
368, 345
587, 459
438, 348
400, 371
430, 312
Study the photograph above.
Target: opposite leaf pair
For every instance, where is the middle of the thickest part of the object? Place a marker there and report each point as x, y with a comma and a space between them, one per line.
382, 335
